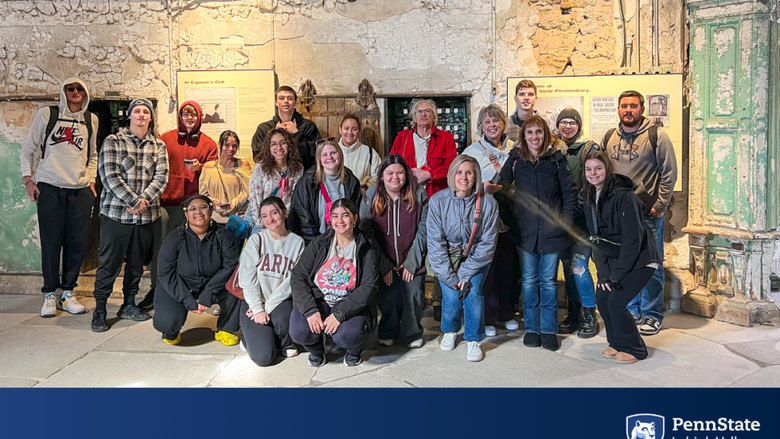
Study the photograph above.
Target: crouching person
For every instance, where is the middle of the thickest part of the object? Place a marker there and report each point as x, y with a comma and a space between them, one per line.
333, 288
264, 276
195, 262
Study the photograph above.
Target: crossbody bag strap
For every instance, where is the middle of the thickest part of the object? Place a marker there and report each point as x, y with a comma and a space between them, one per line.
477, 220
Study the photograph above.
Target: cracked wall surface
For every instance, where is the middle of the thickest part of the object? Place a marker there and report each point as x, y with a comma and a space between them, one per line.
425, 47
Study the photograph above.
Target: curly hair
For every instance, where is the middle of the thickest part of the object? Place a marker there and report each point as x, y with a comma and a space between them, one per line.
266, 159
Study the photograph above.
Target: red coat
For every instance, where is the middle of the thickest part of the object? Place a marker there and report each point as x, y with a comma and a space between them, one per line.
183, 183
441, 153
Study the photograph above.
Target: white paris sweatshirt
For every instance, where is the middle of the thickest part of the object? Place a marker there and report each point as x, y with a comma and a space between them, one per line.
265, 267
70, 159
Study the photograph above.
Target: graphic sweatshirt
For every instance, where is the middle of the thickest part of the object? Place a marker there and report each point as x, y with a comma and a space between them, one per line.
265, 267
70, 159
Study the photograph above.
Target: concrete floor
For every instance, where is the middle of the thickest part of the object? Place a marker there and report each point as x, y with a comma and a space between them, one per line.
63, 352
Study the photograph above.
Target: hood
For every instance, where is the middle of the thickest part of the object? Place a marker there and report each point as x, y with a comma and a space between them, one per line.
64, 110
643, 127
196, 131
297, 117
619, 183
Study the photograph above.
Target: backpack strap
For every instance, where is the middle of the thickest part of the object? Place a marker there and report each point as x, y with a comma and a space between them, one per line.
607, 136
652, 133
54, 116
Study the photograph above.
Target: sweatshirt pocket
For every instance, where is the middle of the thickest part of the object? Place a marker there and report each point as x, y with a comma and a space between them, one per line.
63, 168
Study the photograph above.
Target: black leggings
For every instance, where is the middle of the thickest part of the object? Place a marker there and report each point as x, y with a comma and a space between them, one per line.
261, 341
170, 315
622, 334
350, 334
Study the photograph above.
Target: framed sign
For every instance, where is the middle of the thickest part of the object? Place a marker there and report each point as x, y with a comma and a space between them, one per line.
237, 100
595, 97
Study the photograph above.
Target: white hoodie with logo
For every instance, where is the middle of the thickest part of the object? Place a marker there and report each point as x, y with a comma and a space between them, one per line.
70, 159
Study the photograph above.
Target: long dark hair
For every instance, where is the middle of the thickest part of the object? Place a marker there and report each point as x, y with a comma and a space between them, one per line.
609, 170
408, 190
266, 159
525, 151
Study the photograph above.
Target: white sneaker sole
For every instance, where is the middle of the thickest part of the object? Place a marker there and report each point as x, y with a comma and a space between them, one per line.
490, 331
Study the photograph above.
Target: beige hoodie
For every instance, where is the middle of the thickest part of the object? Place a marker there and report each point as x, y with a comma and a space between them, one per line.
70, 159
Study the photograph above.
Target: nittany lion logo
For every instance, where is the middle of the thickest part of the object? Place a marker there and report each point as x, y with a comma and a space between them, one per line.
645, 426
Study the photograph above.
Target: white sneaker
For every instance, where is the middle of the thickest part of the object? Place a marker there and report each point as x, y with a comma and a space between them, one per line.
241, 346
290, 351
490, 331
448, 341
386, 341
474, 351
71, 304
416, 344
511, 325
49, 308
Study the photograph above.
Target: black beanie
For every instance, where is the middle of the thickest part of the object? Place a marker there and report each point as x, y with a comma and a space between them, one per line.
569, 113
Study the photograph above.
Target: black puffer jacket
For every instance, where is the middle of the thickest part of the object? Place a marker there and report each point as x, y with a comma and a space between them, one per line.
304, 219
544, 202
306, 138
619, 218
194, 270
358, 301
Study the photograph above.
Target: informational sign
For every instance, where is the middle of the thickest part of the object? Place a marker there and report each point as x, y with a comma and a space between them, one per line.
595, 97
236, 100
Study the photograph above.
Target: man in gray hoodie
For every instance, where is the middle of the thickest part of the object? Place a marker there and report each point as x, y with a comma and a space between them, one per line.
59, 164
645, 154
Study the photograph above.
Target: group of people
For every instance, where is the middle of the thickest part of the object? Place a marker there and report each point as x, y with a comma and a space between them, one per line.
340, 239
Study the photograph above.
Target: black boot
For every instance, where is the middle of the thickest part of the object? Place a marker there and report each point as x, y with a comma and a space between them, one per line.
590, 324
437, 313
572, 320
148, 302
99, 318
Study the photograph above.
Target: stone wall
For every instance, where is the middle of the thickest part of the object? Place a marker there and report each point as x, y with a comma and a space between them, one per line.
402, 46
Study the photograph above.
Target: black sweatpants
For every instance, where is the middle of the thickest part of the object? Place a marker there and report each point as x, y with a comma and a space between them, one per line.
622, 334
63, 223
170, 315
402, 305
128, 243
171, 217
502, 284
350, 334
261, 341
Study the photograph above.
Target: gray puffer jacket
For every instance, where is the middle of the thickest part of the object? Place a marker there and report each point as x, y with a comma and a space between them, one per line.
450, 220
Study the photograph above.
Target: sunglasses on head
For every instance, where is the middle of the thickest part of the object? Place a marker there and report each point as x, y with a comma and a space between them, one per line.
324, 141
72, 88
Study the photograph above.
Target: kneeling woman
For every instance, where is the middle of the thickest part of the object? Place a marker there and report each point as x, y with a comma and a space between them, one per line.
195, 262
394, 214
462, 228
624, 251
264, 275
333, 288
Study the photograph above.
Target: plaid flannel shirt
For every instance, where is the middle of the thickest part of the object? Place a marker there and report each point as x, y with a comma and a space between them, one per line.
132, 169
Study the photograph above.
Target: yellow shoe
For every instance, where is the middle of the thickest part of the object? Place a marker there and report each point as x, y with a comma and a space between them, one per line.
226, 338
172, 342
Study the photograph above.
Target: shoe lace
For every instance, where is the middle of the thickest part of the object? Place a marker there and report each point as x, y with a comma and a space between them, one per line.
50, 300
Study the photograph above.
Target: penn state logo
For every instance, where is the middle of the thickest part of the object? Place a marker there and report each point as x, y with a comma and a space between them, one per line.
645, 426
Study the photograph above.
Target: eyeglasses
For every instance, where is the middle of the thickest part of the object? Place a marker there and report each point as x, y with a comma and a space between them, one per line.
567, 123
427, 110
189, 115
324, 141
72, 88
279, 144
198, 208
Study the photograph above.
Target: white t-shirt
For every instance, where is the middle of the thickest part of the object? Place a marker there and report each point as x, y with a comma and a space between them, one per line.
420, 149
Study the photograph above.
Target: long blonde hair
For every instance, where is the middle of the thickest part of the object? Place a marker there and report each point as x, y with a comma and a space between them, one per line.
319, 173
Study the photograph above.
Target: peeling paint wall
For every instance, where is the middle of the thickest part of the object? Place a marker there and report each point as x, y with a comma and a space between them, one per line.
402, 46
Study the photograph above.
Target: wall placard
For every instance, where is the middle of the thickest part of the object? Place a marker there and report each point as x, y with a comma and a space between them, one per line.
595, 97
237, 100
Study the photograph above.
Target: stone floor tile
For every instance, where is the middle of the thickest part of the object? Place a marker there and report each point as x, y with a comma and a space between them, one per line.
368, 379
84, 321
139, 369
284, 372
762, 351
197, 337
766, 377
17, 382
16, 308
36, 352
717, 331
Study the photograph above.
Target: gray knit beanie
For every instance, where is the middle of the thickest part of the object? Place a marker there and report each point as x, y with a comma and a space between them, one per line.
140, 101
569, 113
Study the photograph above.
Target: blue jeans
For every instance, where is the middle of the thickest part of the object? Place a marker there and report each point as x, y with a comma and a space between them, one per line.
579, 284
473, 308
540, 291
651, 300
